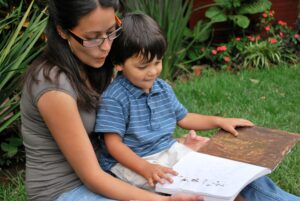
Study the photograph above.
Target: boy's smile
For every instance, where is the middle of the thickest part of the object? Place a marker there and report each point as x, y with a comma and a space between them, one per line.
140, 73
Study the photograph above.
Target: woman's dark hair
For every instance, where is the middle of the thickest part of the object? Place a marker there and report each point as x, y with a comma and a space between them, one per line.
66, 14
141, 35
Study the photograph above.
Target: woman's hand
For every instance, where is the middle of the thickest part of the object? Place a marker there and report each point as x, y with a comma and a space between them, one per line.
229, 124
154, 173
186, 197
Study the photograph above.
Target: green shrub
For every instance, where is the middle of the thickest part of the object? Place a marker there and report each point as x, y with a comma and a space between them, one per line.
273, 43
173, 17
20, 33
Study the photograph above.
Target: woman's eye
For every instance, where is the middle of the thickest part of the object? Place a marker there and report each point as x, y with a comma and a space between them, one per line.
91, 38
95, 39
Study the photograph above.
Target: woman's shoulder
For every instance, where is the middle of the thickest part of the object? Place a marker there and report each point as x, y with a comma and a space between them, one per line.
41, 69
45, 76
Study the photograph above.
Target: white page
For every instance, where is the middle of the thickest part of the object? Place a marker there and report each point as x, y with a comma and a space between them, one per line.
213, 176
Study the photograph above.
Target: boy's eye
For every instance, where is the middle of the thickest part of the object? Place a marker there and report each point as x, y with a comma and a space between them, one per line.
142, 67
158, 62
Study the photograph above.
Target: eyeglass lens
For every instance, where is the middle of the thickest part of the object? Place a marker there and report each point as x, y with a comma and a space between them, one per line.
99, 41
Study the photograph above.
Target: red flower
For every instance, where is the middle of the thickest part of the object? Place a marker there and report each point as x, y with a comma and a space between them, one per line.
258, 37
222, 48
267, 28
214, 51
251, 38
272, 40
281, 34
227, 59
237, 38
296, 36
265, 15
281, 23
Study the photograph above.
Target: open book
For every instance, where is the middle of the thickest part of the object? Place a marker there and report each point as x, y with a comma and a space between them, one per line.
227, 163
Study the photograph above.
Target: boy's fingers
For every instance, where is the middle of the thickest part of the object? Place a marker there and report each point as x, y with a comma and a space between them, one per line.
157, 178
150, 182
172, 172
234, 132
167, 178
245, 122
166, 175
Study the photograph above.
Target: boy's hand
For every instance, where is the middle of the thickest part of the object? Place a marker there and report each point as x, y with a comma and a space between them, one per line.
229, 124
154, 173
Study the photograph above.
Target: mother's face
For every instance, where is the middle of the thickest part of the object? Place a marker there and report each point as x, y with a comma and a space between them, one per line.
97, 24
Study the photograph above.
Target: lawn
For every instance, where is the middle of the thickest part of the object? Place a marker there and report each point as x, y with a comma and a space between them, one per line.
268, 98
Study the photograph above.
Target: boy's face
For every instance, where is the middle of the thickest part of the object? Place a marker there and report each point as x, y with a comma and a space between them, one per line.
139, 73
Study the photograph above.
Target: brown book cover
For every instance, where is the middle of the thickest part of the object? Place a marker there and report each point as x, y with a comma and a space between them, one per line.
255, 145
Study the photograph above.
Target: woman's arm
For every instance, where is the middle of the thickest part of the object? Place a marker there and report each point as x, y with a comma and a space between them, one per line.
60, 112
195, 121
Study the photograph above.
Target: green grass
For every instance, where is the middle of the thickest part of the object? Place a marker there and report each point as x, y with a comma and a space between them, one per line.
12, 186
269, 98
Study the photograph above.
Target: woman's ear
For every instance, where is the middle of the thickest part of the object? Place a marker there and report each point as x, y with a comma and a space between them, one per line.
119, 67
61, 32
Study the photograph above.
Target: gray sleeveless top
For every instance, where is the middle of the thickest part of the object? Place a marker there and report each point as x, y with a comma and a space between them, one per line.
48, 173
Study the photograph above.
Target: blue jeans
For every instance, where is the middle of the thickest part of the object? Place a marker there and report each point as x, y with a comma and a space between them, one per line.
264, 189
81, 193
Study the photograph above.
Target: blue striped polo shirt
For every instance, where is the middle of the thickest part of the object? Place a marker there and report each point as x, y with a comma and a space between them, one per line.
145, 122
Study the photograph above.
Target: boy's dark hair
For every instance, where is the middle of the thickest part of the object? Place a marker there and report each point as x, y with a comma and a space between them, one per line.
141, 35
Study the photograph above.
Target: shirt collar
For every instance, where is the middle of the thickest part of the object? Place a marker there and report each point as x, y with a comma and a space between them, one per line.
137, 92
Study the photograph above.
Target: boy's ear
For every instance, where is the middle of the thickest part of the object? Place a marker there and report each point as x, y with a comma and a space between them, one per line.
119, 67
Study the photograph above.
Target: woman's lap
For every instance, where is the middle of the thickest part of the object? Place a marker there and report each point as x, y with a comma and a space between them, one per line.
264, 189
81, 193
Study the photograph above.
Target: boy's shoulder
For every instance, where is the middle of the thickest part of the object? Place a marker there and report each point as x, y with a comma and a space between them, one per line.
163, 84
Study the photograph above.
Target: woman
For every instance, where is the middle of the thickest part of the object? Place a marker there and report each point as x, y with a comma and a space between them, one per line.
58, 107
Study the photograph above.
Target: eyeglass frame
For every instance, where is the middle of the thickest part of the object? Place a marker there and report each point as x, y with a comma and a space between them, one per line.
117, 31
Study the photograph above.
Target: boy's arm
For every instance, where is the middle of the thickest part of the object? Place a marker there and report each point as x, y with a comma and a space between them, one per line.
123, 154
195, 121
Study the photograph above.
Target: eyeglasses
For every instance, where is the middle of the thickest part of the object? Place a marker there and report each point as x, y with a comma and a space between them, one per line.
99, 41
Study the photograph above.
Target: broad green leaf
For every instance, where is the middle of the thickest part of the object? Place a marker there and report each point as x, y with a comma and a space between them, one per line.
215, 14
254, 7
241, 21
16, 142
202, 31
9, 149
224, 3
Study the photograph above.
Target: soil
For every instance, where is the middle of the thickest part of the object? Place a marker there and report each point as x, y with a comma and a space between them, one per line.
6, 173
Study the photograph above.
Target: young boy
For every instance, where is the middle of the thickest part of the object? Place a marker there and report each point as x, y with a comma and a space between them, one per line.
138, 112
